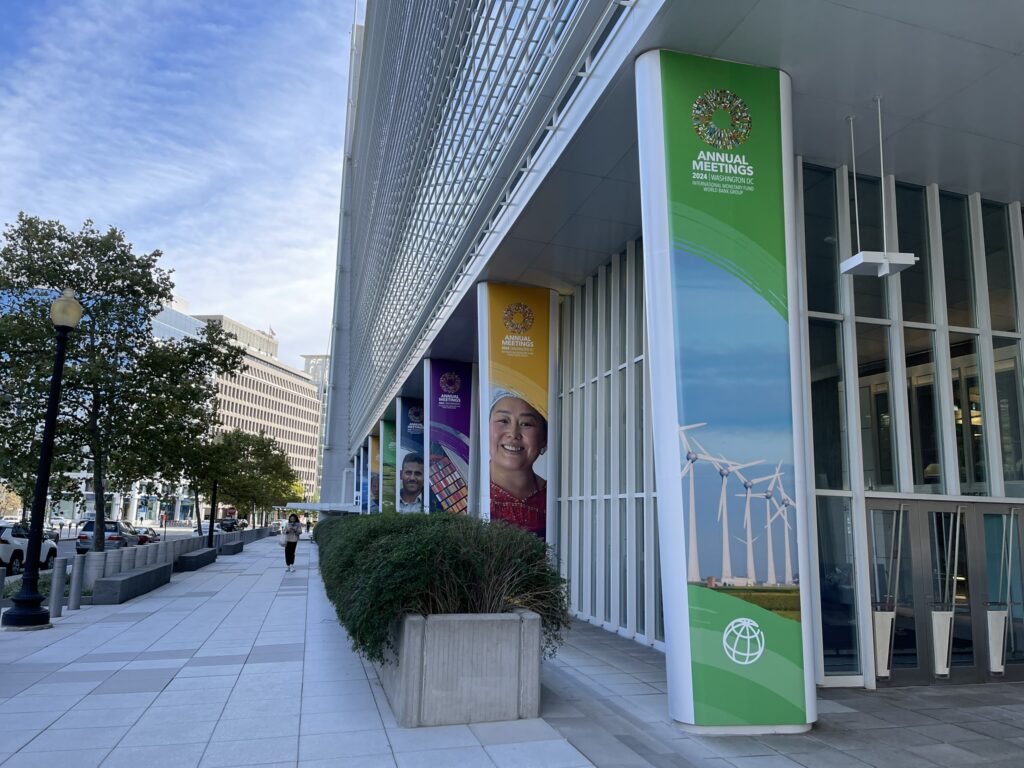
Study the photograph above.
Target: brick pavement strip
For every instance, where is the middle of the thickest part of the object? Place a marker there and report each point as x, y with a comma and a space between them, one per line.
177, 674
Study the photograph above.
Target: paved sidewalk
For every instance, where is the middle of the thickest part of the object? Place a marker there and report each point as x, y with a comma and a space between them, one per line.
242, 663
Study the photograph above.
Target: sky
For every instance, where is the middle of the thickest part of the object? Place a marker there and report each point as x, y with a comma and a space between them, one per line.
210, 130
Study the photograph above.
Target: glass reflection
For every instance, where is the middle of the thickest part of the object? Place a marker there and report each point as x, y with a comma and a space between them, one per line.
1005, 607
827, 404
956, 256
921, 396
868, 292
873, 384
967, 420
837, 587
951, 609
999, 266
1008, 410
821, 242
915, 281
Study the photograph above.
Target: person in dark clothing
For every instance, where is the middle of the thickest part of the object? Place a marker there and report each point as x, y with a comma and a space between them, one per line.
292, 534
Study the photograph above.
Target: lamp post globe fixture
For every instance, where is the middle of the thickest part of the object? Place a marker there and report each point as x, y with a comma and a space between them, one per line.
28, 611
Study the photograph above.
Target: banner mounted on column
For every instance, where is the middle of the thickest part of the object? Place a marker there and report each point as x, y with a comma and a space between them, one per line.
374, 474
387, 466
449, 384
717, 189
411, 475
365, 477
517, 344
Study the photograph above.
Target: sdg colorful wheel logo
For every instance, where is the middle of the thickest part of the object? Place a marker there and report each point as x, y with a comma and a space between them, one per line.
743, 641
716, 100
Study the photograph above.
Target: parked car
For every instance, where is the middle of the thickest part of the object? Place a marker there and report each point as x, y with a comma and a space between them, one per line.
228, 524
151, 535
275, 528
118, 534
14, 545
51, 533
206, 528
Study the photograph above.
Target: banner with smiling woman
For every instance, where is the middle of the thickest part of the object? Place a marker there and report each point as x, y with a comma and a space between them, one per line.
516, 339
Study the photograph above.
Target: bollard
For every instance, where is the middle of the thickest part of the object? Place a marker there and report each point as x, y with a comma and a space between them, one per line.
95, 564
60, 575
162, 552
150, 554
142, 557
77, 571
113, 564
128, 558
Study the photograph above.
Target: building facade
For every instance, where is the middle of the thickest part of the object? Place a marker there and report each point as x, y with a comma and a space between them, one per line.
273, 398
893, 532
319, 369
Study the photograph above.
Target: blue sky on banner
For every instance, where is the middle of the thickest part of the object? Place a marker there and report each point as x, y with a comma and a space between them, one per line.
209, 130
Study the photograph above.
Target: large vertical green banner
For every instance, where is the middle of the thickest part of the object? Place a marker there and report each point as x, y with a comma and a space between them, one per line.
716, 184
387, 466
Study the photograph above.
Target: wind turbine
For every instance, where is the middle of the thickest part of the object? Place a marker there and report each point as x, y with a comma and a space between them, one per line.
769, 497
783, 512
725, 468
748, 486
692, 457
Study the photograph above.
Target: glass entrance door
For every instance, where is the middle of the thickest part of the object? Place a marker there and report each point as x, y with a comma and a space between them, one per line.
947, 592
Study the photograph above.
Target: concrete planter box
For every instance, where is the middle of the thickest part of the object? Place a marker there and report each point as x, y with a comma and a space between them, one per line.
464, 668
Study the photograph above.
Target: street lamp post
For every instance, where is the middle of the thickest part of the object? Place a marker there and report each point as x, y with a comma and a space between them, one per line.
28, 611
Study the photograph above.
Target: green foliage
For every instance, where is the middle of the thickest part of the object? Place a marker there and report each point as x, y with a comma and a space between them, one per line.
131, 405
377, 568
252, 471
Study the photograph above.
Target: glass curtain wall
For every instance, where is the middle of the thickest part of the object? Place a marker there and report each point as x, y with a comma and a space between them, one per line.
608, 538
948, 326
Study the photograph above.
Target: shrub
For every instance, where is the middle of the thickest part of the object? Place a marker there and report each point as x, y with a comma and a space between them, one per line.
377, 568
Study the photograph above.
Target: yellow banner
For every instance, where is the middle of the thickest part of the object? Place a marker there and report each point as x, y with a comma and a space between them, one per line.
519, 326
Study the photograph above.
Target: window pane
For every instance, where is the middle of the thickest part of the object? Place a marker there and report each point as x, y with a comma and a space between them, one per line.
827, 406
912, 219
821, 239
622, 564
641, 620
956, 256
999, 267
875, 409
924, 422
1008, 383
868, 292
837, 587
970, 445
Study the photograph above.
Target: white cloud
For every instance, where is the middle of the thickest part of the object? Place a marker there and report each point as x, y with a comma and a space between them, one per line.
211, 131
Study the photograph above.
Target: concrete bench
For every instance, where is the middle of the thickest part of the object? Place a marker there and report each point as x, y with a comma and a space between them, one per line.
114, 590
193, 561
230, 548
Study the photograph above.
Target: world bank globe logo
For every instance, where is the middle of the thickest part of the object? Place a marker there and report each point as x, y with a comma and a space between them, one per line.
743, 641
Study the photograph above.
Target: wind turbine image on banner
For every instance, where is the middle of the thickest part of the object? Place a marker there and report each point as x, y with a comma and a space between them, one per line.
783, 512
725, 468
692, 561
769, 497
748, 526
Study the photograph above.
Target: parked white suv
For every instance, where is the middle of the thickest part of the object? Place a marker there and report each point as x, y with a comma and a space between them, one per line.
14, 546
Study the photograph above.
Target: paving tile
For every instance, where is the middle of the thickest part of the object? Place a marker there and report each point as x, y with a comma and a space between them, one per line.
363, 761
76, 738
456, 757
764, 761
216, 661
164, 756
948, 755
116, 701
537, 754
438, 737
336, 722
83, 758
949, 733
323, 746
220, 754
136, 681
86, 717
513, 731
181, 733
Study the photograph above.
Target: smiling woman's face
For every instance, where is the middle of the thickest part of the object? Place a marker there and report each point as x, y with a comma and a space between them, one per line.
517, 434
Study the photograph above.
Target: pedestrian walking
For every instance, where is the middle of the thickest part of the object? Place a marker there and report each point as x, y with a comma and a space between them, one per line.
292, 534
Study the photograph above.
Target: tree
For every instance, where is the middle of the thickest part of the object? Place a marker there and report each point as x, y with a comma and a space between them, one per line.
131, 402
252, 472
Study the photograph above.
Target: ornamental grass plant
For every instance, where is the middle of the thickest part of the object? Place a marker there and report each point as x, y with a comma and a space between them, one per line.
377, 568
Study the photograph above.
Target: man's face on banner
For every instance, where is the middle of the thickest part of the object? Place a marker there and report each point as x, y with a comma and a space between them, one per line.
412, 479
